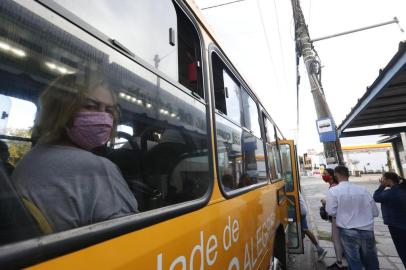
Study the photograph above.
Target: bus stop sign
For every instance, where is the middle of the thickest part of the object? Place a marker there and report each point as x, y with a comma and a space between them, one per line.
326, 129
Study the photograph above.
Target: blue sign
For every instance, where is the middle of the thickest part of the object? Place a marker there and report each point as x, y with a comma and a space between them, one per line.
326, 129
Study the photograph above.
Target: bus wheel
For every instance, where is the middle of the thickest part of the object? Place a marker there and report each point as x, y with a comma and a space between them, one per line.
275, 264
279, 255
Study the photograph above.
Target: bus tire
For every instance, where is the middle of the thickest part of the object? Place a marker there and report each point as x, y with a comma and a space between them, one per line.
279, 255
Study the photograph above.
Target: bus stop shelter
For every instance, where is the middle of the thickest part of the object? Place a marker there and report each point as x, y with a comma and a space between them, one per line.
382, 109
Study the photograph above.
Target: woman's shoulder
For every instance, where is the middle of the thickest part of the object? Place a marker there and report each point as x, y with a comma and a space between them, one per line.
63, 157
333, 185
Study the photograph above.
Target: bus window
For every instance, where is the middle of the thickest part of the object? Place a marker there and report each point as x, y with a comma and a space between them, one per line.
159, 34
278, 164
240, 156
17, 120
287, 166
251, 119
272, 151
190, 74
226, 90
240, 153
111, 138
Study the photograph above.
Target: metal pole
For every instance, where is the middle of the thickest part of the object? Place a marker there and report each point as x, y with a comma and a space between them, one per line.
395, 20
304, 47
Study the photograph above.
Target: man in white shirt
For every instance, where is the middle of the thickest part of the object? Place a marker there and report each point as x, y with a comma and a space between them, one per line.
354, 209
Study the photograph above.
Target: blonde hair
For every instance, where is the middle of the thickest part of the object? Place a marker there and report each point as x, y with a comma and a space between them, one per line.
61, 100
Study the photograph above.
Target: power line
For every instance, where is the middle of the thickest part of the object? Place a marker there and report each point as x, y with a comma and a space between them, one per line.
280, 44
224, 4
268, 45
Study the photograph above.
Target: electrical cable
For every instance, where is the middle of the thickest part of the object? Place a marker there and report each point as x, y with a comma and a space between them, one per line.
224, 4
268, 45
280, 45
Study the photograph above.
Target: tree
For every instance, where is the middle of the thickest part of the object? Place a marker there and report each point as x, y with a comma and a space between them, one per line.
18, 149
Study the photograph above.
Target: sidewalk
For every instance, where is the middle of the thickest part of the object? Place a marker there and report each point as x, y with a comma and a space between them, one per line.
314, 190
305, 261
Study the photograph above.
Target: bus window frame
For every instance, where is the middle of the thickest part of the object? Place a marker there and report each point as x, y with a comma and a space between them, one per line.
266, 143
280, 159
249, 93
36, 250
233, 76
212, 48
78, 22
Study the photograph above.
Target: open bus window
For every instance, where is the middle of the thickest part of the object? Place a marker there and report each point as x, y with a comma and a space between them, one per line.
227, 92
88, 93
190, 71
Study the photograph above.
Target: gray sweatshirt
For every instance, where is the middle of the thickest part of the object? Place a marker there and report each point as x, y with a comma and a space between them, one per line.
73, 187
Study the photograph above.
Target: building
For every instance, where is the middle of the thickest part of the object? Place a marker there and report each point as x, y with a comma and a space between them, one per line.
371, 158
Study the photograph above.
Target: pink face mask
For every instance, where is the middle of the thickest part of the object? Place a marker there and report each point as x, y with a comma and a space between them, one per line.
90, 129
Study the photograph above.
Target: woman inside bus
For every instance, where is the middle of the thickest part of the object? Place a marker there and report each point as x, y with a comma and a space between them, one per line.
60, 176
392, 196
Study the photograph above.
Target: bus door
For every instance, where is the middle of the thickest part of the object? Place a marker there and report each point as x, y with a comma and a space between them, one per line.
292, 185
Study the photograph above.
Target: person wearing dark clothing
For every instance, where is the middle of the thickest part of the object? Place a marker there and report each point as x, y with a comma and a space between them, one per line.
4, 156
392, 196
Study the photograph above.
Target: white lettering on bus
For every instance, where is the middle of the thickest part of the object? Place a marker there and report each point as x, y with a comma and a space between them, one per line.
227, 234
236, 230
198, 248
206, 252
210, 248
180, 259
253, 258
234, 264
247, 259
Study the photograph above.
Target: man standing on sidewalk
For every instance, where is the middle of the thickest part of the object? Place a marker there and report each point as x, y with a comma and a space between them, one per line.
354, 209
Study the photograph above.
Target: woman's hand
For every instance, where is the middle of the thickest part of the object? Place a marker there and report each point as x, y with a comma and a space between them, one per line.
382, 182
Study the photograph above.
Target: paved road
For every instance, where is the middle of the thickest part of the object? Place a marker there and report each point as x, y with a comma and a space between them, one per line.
314, 189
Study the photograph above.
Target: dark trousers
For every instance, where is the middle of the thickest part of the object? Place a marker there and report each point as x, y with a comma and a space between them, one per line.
399, 238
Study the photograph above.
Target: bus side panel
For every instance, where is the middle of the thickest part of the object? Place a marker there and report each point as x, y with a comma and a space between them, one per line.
233, 234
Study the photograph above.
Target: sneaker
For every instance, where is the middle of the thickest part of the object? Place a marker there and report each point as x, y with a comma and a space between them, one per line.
336, 266
322, 253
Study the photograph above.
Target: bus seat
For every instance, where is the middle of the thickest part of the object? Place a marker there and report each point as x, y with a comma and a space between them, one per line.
162, 158
127, 160
16, 223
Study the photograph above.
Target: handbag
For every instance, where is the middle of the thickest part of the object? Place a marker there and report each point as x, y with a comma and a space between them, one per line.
323, 213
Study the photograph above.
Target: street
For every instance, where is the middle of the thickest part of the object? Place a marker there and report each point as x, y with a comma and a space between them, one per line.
314, 190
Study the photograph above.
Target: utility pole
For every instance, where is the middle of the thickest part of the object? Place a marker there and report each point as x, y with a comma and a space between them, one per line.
304, 48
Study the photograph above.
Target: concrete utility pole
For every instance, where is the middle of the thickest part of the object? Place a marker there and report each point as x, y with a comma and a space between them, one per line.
304, 48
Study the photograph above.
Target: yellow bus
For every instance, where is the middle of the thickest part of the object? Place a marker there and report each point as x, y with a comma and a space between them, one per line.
128, 140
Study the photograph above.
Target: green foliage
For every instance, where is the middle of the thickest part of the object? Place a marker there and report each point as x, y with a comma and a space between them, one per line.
18, 149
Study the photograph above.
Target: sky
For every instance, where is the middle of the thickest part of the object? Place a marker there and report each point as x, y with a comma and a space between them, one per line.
258, 37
